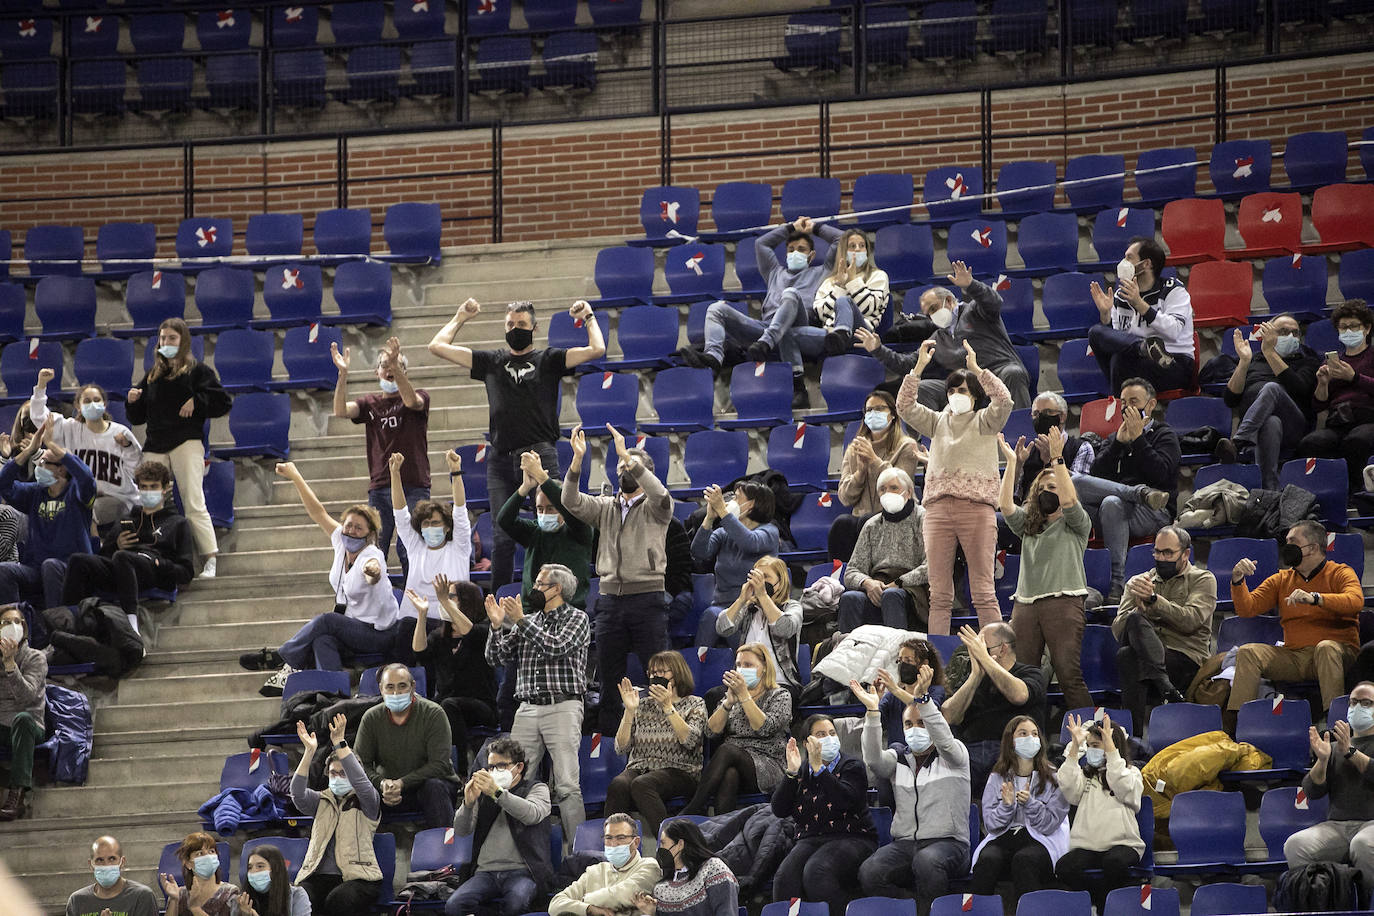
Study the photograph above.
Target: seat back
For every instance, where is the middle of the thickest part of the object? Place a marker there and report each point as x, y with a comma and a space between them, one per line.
1099, 660
169, 864
357, 22
696, 270
105, 361
659, 449
437, 847
762, 392
368, 683
1268, 219
252, 769
1295, 283
224, 296
1343, 215
363, 288
666, 208
884, 192
1095, 182
1283, 811
1081, 377
1316, 157
715, 456
1113, 230
315, 680
1142, 901
1026, 186
292, 851
608, 397
1094, 714
905, 253
685, 397
1067, 302
66, 306
1247, 475
737, 205
293, 292
881, 906
153, 296
1240, 167
262, 422
1324, 478
347, 231
598, 763
243, 358
1194, 229
224, 30
275, 234
810, 197
54, 251
124, 243
1229, 899
1102, 416
21, 360
1279, 728
624, 272
1055, 903
1048, 242
13, 307
957, 904
812, 520
1208, 827
305, 353
647, 332
205, 237
847, 380
801, 453
1173, 722
981, 244
413, 231
952, 192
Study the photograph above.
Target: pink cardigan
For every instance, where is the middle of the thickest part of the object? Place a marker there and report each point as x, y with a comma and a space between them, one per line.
964, 455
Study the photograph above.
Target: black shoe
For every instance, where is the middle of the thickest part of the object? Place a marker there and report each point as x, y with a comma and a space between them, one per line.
837, 342
1173, 696
1225, 452
759, 351
690, 356
262, 660
709, 361
800, 399
1153, 348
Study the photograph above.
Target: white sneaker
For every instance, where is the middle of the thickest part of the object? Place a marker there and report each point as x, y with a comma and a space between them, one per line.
275, 684
208, 570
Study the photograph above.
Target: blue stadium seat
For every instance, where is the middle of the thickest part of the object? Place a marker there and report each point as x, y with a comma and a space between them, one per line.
886, 36
1017, 26
624, 276
1094, 23
1247, 475
1295, 283
951, 192
647, 336
314, 680
801, 453
1097, 566
309, 366
106, 362
150, 351
343, 233
1348, 548
243, 771
26, 39
811, 525
570, 60
659, 449
1047, 243
367, 681
614, 13
693, 272
1090, 714
362, 291
66, 307
413, 233
981, 244
1208, 829
1324, 478
295, 26
243, 359
812, 42
94, 35
1278, 730
713, 456
736, 206
373, 74
1139, 559
169, 864
433, 67
846, 382
589, 838
502, 65
1282, 813
1240, 167
883, 192
610, 397
906, 253
1095, 182
30, 89
232, 81
204, 237
224, 30
1166, 174
54, 251
487, 17
1315, 158
1227, 899
1054, 903
948, 29
125, 248
668, 209
684, 400
1237, 631
1025, 187
224, 297
6, 252
13, 306
1126, 901
275, 235
551, 14
1221, 17
1156, 19
974, 904
598, 763
1224, 553
1066, 300
761, 394
475, 473
292, 849
384, 850
1173, 722
1080, 377
293, 293
260, 423
418, 19
97, 87
566, 333
1099, 662
1192, 413
358, 23
804, 908
813, 197
1356, 277
1112, 233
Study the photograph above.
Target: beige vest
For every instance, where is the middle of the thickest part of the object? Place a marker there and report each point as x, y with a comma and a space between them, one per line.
352, 832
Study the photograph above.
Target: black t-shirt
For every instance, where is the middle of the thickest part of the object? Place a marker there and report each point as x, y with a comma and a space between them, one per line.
990, 712
522, 392
459, 665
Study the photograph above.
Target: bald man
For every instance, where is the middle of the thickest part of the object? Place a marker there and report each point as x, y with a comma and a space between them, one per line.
112, 894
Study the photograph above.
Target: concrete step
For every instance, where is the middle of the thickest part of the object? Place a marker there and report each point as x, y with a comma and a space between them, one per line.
191, 736
187, 793
161, 664
277, 606
315, 556
35, 845
173, 690
231, 637
244, 711
154, 770
253, 585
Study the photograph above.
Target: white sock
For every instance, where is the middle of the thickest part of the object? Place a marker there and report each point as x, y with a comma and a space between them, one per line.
133, 621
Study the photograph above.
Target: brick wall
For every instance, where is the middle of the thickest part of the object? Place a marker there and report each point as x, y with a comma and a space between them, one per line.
586, 178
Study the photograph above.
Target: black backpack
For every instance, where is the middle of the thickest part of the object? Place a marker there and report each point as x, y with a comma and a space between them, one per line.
1322, 887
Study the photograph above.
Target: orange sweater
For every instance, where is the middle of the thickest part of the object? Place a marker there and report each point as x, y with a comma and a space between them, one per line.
1337, 617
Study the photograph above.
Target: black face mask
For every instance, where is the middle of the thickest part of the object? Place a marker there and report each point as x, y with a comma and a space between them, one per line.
769, 589
628, 486
519, 338
1044, 422
666, 865
1290, 555
1047, 501
1167, 569
907, 672
538, 600
658, 682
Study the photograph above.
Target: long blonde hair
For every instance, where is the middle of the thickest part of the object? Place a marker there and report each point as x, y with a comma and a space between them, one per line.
768, 675
842, 253
179, 364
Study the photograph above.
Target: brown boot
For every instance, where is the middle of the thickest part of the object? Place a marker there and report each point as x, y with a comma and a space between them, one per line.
14, 807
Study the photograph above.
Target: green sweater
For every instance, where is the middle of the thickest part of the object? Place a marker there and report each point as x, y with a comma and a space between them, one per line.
1052, 561
570, 545
420, 749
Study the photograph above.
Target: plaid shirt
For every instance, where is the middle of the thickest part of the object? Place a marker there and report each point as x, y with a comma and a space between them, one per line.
549, 651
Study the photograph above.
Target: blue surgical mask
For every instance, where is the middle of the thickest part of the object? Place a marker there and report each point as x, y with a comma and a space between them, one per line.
397, 702
1351, 339
1360, 718
1027, 746
150, 499
548, 522
389, 386
858, 258
619, 856
260, 881
107, 876
1094, 756
434, 535
876, 420
917, 738
340, 787
1287, 344
830, 747
93, 410
44, 477
205, 865
796, 260
353, 544
169, 351
750, 675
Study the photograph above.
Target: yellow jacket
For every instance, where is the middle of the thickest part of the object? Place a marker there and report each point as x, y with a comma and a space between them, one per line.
1196, 763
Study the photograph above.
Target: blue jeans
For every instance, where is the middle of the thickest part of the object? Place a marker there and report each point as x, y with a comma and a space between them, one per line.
1120, 513
856, 610
847, 317
515, 890
923, 869
787, 330
706, 628
1274, 425
18, 580
317, 644
380, 499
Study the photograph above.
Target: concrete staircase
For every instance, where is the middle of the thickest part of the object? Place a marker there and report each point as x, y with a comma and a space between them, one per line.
161, 736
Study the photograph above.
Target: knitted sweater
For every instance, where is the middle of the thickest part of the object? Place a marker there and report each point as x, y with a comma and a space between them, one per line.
884, 546
859, 482
655, 746
963, 448
602, 884
417, 750
831, 802
1052, 560
1107, 804
869, 295
712, 891
766, 744
1337, 617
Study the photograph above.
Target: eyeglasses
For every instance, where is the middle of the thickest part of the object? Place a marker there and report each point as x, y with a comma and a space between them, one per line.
619, 838
1363, 704
499, 766
1166, 554
994, 648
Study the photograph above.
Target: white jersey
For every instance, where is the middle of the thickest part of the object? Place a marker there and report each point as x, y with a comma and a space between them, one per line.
111, 463
1170, 318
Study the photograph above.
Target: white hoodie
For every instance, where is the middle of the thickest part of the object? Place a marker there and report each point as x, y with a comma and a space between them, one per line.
111, 463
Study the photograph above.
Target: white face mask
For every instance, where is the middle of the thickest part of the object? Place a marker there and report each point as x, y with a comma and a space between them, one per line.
960, 403
14, 632
502, 778
732, 508
1125, 270
943, 318
892, 502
